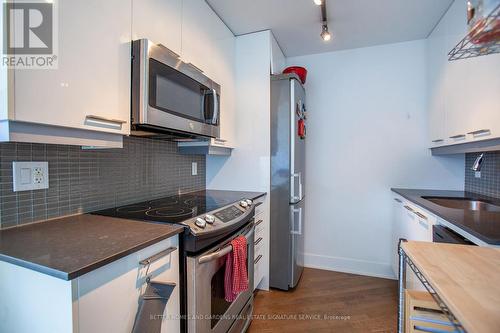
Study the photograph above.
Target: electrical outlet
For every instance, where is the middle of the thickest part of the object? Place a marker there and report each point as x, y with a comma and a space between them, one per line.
30, 175
194, 169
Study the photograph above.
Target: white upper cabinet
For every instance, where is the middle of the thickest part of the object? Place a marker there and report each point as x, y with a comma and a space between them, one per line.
463, 98
210, 46
191, 29
90, 89
483, 87
158, 21
223, 72
198, 21
88, 95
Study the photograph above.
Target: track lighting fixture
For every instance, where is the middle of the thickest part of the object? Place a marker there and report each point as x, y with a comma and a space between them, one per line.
325, 34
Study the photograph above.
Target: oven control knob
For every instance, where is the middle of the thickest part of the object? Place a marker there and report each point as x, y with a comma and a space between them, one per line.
200, 222
210, 219
249, 202
243, 204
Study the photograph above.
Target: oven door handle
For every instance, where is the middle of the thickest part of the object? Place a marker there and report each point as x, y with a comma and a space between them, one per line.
222, 252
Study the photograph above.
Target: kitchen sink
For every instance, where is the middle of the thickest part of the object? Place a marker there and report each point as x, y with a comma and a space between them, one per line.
464, 203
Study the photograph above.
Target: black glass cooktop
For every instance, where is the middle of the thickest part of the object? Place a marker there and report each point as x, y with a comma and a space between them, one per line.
176, 208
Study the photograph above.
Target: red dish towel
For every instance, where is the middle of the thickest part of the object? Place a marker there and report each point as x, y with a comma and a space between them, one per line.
236, 276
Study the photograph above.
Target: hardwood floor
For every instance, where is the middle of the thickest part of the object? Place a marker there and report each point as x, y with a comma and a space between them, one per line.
327, 301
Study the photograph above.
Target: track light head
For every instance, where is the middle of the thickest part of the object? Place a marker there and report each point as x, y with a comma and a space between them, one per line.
325, 34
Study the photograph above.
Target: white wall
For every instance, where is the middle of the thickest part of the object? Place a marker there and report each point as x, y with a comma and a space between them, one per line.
366, 133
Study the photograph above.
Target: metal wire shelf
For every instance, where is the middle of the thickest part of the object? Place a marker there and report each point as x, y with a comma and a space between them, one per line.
467, 49
403, 258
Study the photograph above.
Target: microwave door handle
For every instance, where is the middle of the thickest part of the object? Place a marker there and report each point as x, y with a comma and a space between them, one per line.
203, 106
216, 108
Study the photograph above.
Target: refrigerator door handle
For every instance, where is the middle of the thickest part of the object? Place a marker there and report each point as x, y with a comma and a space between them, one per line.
299, 230
301, 196
296, 198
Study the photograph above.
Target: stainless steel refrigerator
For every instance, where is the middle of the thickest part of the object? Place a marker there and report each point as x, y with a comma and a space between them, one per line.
288, 115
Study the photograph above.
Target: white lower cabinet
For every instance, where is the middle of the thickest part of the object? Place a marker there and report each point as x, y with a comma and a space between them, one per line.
101, 301
261, 243
108, 297
411, 223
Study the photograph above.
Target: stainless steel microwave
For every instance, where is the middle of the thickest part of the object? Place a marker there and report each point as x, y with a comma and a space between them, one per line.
170, 96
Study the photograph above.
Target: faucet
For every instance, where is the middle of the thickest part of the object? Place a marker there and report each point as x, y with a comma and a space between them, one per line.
477, 164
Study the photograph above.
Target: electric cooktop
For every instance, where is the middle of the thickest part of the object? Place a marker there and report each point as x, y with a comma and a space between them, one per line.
175, 208
207, 215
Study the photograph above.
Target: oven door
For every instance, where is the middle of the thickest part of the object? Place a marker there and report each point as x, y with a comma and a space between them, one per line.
170, 95
208, 312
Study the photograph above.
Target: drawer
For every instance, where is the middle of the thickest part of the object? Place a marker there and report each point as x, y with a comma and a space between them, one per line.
125, 283
258, 246
258, 272
166, 267
259, 226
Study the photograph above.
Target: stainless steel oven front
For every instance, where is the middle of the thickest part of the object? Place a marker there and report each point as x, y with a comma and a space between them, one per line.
169, 95
208, 311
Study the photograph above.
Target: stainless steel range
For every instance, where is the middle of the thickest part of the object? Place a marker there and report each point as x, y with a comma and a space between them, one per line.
211, 219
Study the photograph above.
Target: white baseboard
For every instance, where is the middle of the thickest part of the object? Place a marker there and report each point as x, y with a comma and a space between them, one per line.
349, 265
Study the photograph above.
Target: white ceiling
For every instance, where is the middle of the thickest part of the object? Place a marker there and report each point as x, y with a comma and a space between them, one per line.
296, 24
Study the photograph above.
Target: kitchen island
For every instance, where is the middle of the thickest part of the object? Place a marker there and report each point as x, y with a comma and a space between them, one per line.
463, 279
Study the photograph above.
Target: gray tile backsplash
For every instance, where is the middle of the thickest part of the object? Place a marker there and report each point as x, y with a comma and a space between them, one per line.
489, 183
87, 180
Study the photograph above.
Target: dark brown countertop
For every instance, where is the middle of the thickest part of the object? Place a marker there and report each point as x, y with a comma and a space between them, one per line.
72, 246
482, 224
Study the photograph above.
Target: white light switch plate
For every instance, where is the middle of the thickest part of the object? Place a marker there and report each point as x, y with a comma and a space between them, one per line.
30, 175
194, 168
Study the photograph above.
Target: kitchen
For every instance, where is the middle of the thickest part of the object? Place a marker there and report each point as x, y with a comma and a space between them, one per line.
191, 176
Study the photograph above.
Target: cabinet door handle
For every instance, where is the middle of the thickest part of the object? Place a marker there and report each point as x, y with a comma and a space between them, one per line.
422, 216
257, 241
408, 208
109, 120
437, 140
258, 222
480, 132
257, 260
458, 136
157, 256
398, 200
